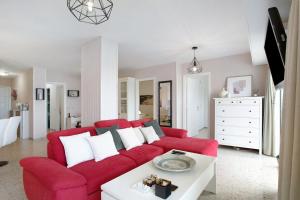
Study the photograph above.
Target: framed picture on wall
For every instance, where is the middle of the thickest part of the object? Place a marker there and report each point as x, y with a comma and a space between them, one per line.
40, 94
239, 86
73, 93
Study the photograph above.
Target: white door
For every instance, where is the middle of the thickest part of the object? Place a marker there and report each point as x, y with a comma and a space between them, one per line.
195, 106
54, 107
5, 102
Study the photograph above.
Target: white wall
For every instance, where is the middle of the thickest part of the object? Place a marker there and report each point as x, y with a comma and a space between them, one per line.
71, 82
23, 84
6, 81
90, 82
221, 68
99, 81
109, 79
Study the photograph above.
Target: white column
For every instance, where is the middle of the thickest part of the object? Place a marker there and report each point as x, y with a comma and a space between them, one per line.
99, 81
39, 106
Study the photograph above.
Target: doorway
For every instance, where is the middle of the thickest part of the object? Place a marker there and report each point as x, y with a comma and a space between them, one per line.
5, 102
145, 98
56, 109
196, 101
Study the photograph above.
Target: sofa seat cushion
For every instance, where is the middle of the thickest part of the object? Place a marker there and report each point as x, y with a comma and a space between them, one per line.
98, 173
143, 154
196, 145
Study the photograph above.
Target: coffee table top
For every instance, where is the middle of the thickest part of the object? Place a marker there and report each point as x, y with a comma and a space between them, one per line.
121, 187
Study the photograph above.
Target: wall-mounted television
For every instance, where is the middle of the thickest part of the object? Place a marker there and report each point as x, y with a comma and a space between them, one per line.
275, 46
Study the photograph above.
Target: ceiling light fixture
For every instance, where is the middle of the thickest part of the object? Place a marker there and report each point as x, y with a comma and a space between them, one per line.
91, 11
195, 65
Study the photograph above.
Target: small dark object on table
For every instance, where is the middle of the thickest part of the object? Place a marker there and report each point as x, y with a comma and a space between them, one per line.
163, 189
178, 152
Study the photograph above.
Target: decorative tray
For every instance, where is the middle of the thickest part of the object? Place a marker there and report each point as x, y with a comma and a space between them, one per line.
174, 163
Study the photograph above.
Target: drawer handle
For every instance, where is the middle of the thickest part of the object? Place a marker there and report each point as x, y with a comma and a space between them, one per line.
250, 132
219, 102
249, 122
223, 139
223, 130
254, 101
223, 120
240, 101
232, 102
250, 142
223, 110
250, 111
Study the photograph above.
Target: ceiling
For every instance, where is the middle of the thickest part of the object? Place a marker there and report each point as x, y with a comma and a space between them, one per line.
257, 24
149, 32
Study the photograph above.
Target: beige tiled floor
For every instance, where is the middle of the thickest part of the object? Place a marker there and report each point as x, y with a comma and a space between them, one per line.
240, 174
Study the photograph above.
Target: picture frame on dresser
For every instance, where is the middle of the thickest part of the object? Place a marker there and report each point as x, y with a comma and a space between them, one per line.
239, 86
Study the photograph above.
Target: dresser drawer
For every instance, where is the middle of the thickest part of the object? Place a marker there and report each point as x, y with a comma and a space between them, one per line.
236, 131
240, 122
237, 111
238, 141
233, 101
249, 102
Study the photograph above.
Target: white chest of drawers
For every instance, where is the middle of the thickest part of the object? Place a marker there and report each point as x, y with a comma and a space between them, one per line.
238, 122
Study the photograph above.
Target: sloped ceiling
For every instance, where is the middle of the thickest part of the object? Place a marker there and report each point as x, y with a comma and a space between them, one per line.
257, 18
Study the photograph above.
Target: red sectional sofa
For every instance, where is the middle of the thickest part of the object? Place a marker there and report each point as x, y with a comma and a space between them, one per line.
50, 179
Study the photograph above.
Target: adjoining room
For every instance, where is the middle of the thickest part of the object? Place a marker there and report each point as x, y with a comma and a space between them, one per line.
130, 100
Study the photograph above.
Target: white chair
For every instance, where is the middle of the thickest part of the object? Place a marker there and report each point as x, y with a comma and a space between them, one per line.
10, 133
3, 125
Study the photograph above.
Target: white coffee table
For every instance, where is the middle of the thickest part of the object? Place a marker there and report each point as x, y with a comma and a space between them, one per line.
190, 184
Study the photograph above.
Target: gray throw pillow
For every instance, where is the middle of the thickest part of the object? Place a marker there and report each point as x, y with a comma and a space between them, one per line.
156, 127
113, 129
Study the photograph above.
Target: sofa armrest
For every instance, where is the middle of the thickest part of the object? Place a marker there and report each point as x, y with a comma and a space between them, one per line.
52, 175
174, 132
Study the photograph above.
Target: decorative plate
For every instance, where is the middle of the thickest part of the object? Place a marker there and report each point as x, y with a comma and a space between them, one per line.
174, 163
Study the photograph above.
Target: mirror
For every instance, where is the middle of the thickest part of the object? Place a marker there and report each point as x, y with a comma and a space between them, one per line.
165, 103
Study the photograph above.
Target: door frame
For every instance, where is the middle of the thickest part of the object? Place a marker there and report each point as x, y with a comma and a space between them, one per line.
137, 94
184, 100
63, 125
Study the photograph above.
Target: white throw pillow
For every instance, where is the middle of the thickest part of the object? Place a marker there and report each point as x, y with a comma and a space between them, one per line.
139, 134
129, 138
150, 134
103, 146
77, 148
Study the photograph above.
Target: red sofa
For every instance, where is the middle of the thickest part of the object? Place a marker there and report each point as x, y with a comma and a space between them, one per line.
49, 178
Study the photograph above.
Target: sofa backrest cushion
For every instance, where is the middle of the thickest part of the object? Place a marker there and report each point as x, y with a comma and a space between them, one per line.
140, 122
116, 137
55, 148
122, 123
